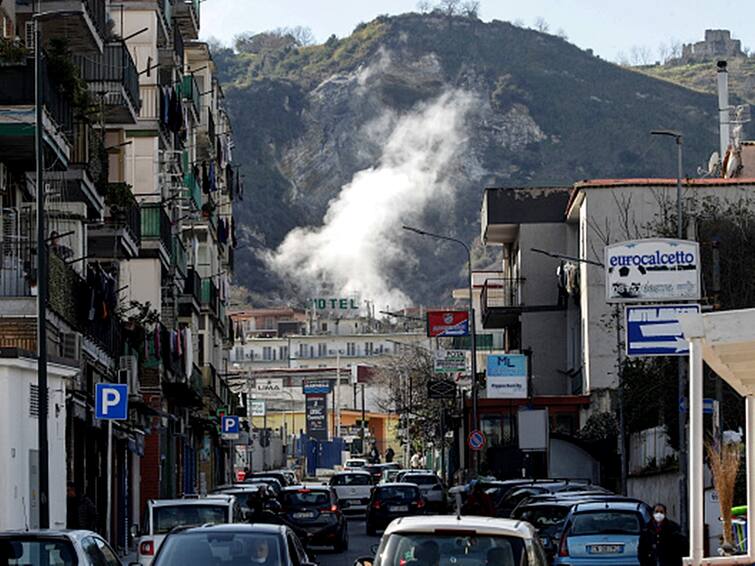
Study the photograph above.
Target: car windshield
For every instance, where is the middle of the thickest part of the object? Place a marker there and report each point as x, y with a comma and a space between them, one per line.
432, 549
404, 494
166, 518
605, 522
305, 498
220, 549
355, 463
424, 479
352, 479
36, 551
542, 517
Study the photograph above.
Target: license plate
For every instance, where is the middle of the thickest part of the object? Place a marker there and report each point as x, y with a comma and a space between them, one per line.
399, 508
304, 515
605, 548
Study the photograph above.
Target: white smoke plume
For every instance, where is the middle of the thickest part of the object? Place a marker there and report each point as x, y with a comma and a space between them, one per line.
361, 235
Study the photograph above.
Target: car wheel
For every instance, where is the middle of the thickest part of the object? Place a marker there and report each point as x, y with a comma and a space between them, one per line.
371, 531
343, 544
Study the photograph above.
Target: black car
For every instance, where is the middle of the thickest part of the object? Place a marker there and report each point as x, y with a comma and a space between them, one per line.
506, 504
240, 545
548, 518
390, 501
272, 483
315, 511
280, 476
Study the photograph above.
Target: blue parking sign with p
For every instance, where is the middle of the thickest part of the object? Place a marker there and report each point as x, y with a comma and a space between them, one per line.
111, 401
230, 424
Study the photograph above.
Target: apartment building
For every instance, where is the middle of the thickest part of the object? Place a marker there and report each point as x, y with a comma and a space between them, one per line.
139, 188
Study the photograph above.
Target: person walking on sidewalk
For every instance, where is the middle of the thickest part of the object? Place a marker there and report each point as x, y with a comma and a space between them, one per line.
662, 542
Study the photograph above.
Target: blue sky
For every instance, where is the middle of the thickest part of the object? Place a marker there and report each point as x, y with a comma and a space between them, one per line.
609, 27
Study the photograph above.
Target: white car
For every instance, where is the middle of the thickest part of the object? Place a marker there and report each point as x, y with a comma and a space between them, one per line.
64, 548
354, 464
431, 487
353, 490
163, 515
443, 539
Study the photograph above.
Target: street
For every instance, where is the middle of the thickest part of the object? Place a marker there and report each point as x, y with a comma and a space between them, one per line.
359, 545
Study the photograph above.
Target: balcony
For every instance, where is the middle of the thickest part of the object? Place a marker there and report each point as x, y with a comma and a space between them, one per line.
113, 75
187, 17
119, 236
157, 236
82, 27
16, 135
192, 185
172, 55
190, 93
209, 296
179, 257
190, 301
501, 302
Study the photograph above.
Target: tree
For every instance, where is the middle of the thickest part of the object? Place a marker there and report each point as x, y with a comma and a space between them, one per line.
302, 35
640, 55
562, 34
424, 7
541, 25
471, 9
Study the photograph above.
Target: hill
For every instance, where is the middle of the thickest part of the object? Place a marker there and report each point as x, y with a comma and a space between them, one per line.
405, 121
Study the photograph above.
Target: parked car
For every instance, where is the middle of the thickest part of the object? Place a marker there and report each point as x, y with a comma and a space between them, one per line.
393, 500
447, 539
59, 548
290, 475
432, 489
164, 515
315, 511
272, 483
548, 518
281, 477
353, 490
389, 476
603, 533
252, 498
402, 473
354, 464
239, 545
506, 504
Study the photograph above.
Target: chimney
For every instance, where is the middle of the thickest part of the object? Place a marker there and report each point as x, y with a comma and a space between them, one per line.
723, 108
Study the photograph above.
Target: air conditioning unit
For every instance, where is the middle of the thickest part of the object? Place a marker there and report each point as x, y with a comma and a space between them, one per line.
70, 345
128, 373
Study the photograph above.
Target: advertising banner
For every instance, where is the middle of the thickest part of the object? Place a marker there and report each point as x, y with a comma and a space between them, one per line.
656, 331
507, 376
316, 386
317, 417
652, 270
258, 408
450, 361
447, 323
268, 388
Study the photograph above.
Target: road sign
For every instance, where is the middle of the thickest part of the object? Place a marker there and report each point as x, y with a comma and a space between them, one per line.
258, 408
111, 401
476, 440
709, 406
450, 361
229, 427
655, 331
441, 389
316, 386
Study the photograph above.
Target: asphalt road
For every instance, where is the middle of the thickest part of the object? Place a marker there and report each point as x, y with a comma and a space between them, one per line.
359, 545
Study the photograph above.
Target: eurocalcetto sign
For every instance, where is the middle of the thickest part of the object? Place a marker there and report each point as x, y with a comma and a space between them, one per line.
450, 361
653, 270
447, 323
317, 417
507, 376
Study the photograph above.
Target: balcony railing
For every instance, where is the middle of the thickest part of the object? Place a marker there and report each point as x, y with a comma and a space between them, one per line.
179, 256
114, 73
178, 43
98, 14
209, 295
17, 88
190, 92
156, 225
196, 381
211, 128
193, 285
502, 293
192, 185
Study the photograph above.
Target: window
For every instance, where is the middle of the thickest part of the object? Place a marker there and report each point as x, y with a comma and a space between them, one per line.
107, 552
283, 353
268, 322
351, 349
239, 355
168, 517
267, 353
30, 549
311, 351
324, 326
302, 350
322, 350
368, 348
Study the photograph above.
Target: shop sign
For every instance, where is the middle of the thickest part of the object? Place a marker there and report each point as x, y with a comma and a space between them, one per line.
317, 417
506, 376
447, 323
450, 361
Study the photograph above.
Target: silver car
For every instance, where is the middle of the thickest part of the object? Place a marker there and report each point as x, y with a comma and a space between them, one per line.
61, 548
431, 488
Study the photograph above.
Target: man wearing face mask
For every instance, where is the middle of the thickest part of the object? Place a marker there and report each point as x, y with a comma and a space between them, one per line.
661, 543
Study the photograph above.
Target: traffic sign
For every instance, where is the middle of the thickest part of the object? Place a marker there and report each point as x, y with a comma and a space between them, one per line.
655, 331
229, 427
258, 408
111, 401
476, 440
708, 406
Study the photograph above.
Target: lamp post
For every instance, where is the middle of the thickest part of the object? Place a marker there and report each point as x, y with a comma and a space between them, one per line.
681, 381
473, 330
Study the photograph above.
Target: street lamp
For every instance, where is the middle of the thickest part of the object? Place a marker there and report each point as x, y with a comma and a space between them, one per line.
681, 381
475, 395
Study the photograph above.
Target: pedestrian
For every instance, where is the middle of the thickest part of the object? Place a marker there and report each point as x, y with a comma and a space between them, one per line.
478, 502
389, 454
81, 513
414, 461
374, 455
662, 542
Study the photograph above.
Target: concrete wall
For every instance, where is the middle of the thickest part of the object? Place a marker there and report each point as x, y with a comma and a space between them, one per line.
657, 488
18, 440
143, 279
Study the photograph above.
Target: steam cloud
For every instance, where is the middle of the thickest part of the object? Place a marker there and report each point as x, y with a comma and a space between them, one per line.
361, 236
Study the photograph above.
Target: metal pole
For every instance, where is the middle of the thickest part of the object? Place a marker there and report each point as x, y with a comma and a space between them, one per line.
338, 394
361, 431
750, 455
622, 419
696, 450
473, 331
681, 382
43, 447
443, 444
109, 482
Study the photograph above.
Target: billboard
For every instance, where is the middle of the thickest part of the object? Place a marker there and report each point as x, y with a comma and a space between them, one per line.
447, 323
316, 386
317, 417
506, 376
450, 361
652, 270
268, 388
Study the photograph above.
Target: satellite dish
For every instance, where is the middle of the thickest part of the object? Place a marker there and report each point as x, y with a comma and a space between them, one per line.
713, 162
732, 166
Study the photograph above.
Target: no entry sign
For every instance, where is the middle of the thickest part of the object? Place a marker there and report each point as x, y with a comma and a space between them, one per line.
476, 440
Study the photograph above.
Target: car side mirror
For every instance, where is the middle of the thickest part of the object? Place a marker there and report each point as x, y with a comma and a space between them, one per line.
134, 530
364, 561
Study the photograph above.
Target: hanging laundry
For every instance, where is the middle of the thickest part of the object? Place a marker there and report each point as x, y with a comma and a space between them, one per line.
213, 180
205, 179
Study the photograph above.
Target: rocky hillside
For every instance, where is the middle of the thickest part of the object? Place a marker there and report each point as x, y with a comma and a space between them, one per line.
406, 121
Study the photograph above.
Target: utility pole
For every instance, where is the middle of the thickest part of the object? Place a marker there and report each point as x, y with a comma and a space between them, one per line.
338, 394
681, 377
